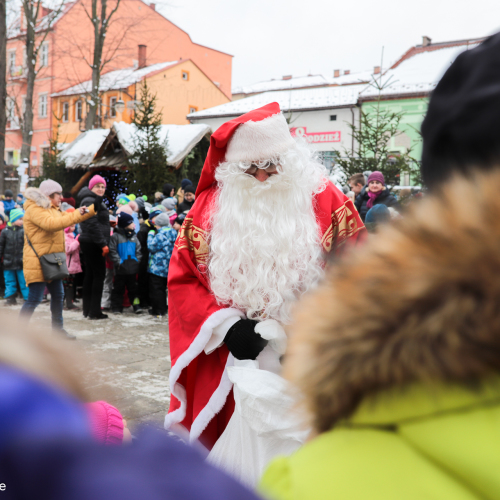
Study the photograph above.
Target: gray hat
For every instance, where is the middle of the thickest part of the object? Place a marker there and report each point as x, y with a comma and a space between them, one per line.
162, 220
169, 203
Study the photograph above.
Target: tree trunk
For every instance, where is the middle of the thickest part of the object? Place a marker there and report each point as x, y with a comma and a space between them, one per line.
3, 89
29, 12
100, 28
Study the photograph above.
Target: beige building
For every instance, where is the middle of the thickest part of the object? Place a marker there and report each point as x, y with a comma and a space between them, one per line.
181, 88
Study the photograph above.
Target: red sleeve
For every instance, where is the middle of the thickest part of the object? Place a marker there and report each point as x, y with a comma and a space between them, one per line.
339, 221
197, 382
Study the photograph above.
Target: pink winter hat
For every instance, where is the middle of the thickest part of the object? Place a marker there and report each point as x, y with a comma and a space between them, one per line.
97, 179
125, 208
49, 187
376, 176
106, 422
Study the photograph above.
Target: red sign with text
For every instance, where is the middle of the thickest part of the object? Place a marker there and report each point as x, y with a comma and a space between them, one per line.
315, 137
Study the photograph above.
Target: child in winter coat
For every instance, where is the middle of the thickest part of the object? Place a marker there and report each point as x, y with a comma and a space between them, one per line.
74, 266
160, 246
125, 252
11, 249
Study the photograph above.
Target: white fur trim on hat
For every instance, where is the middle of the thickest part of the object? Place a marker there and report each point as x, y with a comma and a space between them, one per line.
260, 140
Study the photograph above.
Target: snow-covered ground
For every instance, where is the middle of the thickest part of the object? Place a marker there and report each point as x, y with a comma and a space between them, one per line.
128, 357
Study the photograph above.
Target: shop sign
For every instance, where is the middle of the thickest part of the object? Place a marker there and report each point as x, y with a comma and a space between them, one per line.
315, 137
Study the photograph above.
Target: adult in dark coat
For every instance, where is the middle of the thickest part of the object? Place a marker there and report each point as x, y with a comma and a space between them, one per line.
188, 202
94, 243
375, 193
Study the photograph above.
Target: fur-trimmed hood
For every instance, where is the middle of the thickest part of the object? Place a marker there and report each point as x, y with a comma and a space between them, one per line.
419, 303
35, 195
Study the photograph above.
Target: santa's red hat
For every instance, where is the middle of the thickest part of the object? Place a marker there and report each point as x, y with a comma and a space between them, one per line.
260, 134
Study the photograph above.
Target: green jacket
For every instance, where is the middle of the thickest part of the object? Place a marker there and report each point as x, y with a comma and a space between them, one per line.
423, 443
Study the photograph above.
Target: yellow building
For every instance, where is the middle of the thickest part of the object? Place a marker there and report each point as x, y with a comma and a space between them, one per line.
181, 87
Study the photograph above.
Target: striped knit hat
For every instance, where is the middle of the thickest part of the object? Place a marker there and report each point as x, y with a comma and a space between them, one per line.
15, 214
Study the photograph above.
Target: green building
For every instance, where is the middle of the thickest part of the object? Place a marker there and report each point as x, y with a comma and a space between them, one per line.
406, 86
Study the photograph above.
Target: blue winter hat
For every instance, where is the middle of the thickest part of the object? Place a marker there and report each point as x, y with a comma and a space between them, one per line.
15, 214
124, 219
124, 199
159, 209
378, 214
185, 183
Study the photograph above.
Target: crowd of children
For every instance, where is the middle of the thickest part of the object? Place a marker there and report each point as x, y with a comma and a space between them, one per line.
140, 236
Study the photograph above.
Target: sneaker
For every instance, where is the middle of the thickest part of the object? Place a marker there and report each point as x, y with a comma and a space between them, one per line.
11, 301
116, 311
65, 334
101, 316
137, 309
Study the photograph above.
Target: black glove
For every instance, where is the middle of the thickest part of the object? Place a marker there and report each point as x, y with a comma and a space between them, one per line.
97, 203
242, 341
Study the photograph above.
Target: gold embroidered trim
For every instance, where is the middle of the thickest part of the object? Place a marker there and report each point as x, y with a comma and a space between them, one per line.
344, 225
194, 239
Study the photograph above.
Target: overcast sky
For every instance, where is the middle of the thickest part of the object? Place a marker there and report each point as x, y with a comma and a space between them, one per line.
272, 38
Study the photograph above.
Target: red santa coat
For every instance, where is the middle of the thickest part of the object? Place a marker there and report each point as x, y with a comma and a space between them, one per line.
201, 392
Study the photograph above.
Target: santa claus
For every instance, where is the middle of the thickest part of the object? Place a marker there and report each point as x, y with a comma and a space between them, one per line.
255, 240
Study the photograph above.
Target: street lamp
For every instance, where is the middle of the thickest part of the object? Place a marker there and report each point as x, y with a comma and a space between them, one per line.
120, 105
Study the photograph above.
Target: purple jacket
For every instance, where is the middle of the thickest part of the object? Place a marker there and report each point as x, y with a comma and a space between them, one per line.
47, 452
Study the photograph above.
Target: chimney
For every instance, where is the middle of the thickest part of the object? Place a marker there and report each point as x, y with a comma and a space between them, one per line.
347, 72
426, 41
152, 5
142, 56
376, 70
336, 73
287, 77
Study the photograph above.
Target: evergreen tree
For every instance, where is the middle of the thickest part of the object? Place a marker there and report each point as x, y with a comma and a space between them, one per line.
148, 168
373, 138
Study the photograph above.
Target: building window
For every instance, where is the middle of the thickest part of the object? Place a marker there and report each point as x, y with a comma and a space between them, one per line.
112, 107
78, 111
333, 118
42, 105
10, 158
65, 112
193, 109
185, 75
44, 54
11, 109
12, 62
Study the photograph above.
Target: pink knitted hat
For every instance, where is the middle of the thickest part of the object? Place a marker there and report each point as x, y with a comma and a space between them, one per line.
125, 208
106, 422
49, 187
376, 176
97, 179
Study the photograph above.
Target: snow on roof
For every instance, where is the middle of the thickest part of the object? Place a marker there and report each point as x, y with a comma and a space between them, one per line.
181, 139
419, 73
282, 84
118, 79
351, 78
302, 82
289, 100
82, 150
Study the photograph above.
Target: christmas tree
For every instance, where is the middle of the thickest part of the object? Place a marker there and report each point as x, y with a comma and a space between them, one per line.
148, 169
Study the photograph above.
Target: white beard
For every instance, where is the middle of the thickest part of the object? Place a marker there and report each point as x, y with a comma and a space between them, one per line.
264, 239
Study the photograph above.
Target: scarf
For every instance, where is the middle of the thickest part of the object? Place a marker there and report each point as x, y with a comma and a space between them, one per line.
373, 197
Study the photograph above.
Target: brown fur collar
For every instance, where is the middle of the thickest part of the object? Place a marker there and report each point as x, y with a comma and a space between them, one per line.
419, 302
38, 197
